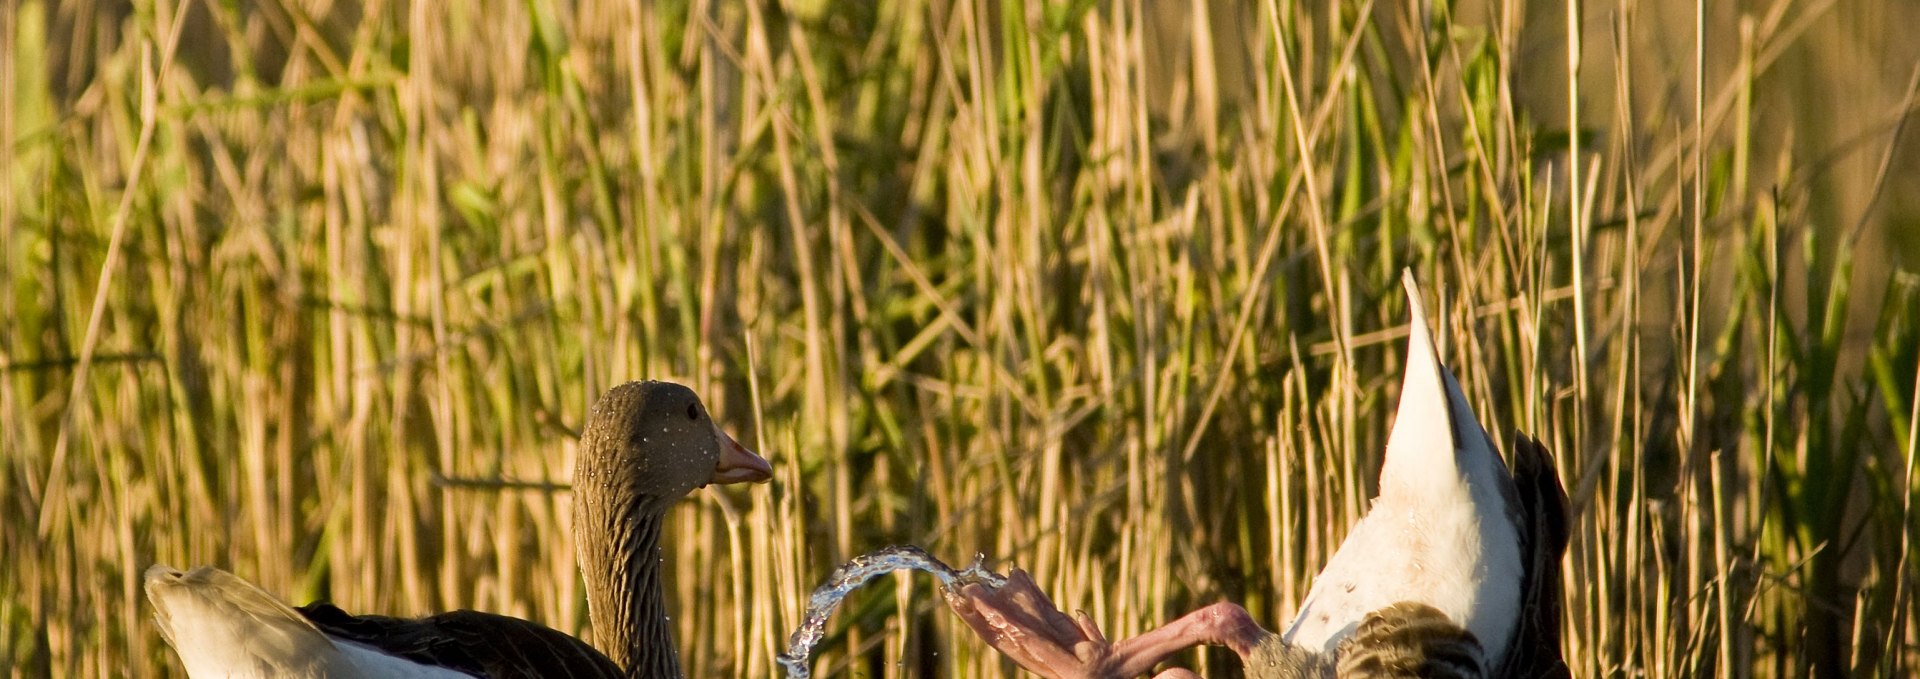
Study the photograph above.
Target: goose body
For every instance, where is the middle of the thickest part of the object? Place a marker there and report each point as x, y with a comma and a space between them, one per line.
646, 445
1453, 573
1445, 529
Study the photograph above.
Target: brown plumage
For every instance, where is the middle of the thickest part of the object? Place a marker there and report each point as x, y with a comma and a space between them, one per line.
1409, 641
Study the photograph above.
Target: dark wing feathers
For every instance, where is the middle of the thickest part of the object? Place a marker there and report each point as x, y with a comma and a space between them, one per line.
482, 644
1535, 652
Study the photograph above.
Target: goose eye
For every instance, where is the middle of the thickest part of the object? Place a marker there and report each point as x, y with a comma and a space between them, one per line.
693, 411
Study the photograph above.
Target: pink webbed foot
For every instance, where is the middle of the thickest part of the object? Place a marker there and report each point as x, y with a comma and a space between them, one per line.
1025, 625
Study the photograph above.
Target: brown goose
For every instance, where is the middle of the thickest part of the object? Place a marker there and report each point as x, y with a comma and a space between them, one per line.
1454, 549
646, 445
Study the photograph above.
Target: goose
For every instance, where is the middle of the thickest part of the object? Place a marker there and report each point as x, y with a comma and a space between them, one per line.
645, 446
1404, 639
1453, 572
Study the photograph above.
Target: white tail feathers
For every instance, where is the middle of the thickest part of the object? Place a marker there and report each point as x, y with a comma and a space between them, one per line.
1442, 531
1425, 430
222, 625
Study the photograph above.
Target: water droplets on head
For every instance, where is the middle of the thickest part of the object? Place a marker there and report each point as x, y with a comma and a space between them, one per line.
858, 572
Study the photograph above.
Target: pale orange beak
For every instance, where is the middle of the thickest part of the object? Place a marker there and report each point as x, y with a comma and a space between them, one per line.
737, 464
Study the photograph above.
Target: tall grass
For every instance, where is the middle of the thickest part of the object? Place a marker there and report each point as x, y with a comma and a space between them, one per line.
1109, 290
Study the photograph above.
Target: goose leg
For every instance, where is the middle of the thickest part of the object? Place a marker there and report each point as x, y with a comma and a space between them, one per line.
1021, 622
1220, 624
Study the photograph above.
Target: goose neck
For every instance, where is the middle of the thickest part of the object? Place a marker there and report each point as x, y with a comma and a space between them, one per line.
619, 550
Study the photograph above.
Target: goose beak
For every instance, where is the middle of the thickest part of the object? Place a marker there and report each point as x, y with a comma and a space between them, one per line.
737, 464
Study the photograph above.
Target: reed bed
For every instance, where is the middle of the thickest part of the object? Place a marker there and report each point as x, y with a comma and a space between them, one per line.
320, 291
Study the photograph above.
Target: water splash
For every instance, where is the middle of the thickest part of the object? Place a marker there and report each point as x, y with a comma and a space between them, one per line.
857, 572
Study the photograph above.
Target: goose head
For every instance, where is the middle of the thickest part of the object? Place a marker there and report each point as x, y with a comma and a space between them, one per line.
648, 444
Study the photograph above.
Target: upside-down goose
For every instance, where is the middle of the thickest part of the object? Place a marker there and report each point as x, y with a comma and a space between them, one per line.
645, 446
1453, 572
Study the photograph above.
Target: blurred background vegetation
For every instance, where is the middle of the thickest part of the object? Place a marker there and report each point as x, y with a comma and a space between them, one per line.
1105, 289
